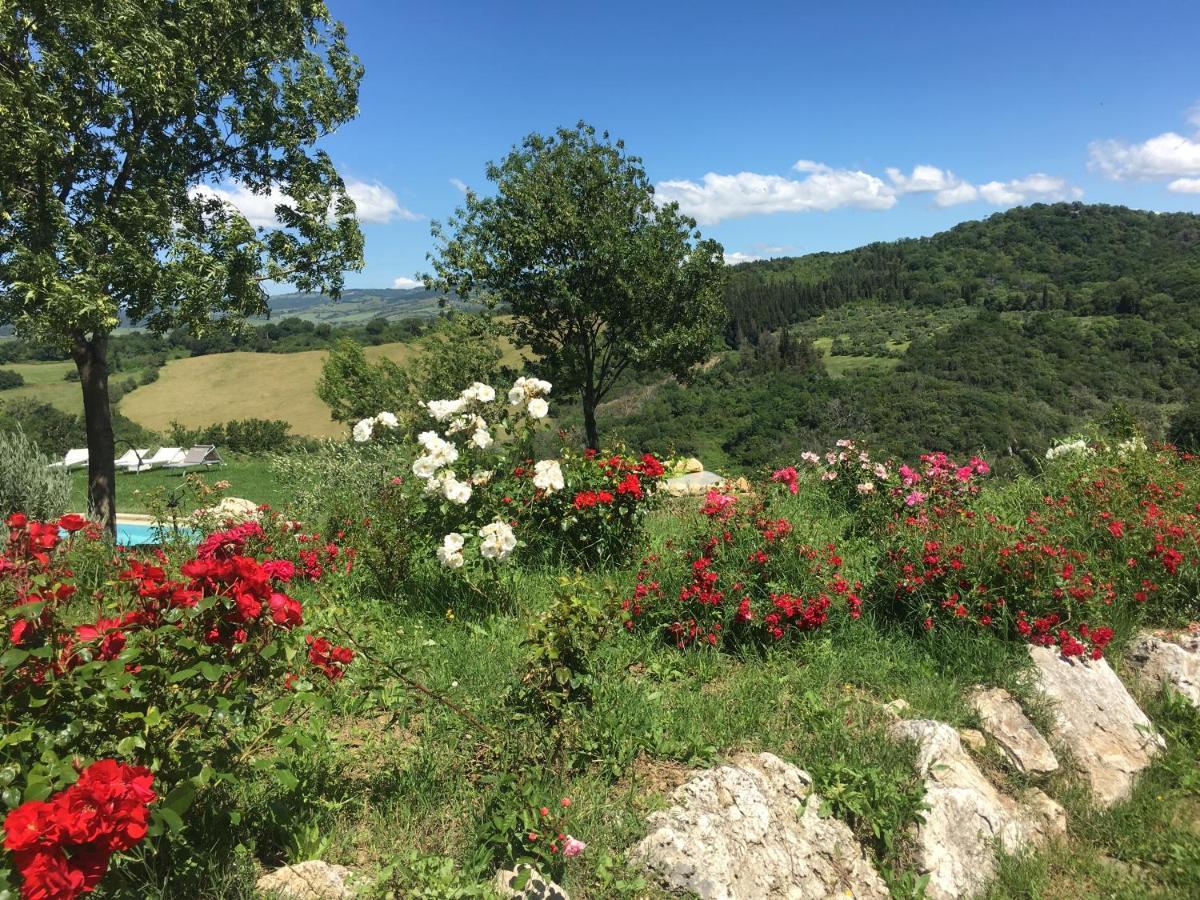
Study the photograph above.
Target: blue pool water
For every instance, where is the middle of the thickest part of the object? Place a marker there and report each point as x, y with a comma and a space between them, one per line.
133, 534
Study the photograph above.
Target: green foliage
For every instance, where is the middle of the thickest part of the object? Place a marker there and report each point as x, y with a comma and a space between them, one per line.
558, 680
420, 876
355, 389
10, 379
27, 484
238, 435
598, 277
1185, 428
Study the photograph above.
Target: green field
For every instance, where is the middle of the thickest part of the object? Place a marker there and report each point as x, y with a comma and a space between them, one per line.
45, 382
150, 492
208, 390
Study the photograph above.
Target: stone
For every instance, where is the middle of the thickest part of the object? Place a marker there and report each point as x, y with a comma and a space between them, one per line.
751, 830
967, 816
231, 509
535, 886
1006, 722
692, 484
310, 880
973, 739
1097, 720
1165, 657
691, 464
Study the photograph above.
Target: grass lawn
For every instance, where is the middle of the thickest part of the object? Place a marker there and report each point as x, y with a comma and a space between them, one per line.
46, 382
248, 477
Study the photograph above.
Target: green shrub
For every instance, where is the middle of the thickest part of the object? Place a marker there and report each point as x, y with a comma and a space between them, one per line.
27, 484
10, 379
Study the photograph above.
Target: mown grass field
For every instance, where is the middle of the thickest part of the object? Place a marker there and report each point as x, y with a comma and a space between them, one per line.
208, 390
46, 382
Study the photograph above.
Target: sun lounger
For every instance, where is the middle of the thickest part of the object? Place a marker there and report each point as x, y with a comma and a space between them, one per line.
203, 455
73, 460
164, 456
133, 461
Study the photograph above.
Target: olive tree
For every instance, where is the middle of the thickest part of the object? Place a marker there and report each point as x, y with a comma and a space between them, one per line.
599, 278
123, 126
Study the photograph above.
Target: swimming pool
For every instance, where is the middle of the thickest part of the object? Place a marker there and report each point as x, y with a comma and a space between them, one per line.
132, 534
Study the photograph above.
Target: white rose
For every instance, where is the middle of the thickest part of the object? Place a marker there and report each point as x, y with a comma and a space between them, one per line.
425, 466
456, 491
547, 475
538, 408
498, 541
538, 386
387, 420
450, 553
481, 438
444, 409
516, 394
480, 392
363, 429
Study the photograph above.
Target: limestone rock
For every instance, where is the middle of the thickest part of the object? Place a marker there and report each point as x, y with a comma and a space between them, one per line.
691, 464
973, 739
1005, 721
967, 815
1096, 719
230, 509
692, 484
1164, 657
750, 830
535, 887
311, 880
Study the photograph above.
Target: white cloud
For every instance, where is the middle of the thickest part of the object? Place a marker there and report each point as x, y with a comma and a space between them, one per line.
1036, 188
459, 185
719, 197
737, 256
963, 192
374, 203
947, 188
1185, 186
405, 284
1160, 157
1168, 155
824, 188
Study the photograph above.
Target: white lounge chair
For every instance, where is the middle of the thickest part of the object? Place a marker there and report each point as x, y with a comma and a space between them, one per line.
164, 456
202, 455
133, 461
73, 460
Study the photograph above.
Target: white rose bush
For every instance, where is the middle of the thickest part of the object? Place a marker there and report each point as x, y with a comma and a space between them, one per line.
468, 494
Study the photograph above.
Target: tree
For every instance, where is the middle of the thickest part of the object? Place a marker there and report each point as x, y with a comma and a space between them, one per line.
598, 277
459, 349
118, 122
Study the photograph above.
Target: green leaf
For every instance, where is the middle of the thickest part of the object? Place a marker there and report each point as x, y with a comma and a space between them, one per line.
286, 779
209, 671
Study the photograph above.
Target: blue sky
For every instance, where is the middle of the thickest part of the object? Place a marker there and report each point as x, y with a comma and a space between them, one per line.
776, 124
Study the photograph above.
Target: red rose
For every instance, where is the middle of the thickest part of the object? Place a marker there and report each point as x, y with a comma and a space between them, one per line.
72, 522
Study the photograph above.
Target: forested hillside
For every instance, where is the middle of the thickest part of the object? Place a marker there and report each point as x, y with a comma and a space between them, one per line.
999, 335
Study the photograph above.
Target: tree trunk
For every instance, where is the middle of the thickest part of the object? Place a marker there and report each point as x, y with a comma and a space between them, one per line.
91, 360
591, 434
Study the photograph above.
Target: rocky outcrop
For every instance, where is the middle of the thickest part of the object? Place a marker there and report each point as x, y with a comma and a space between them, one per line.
692, 484
1171, 658
1097, 720
311, 880
750, 830
967, 816
1008, 725
527, 883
